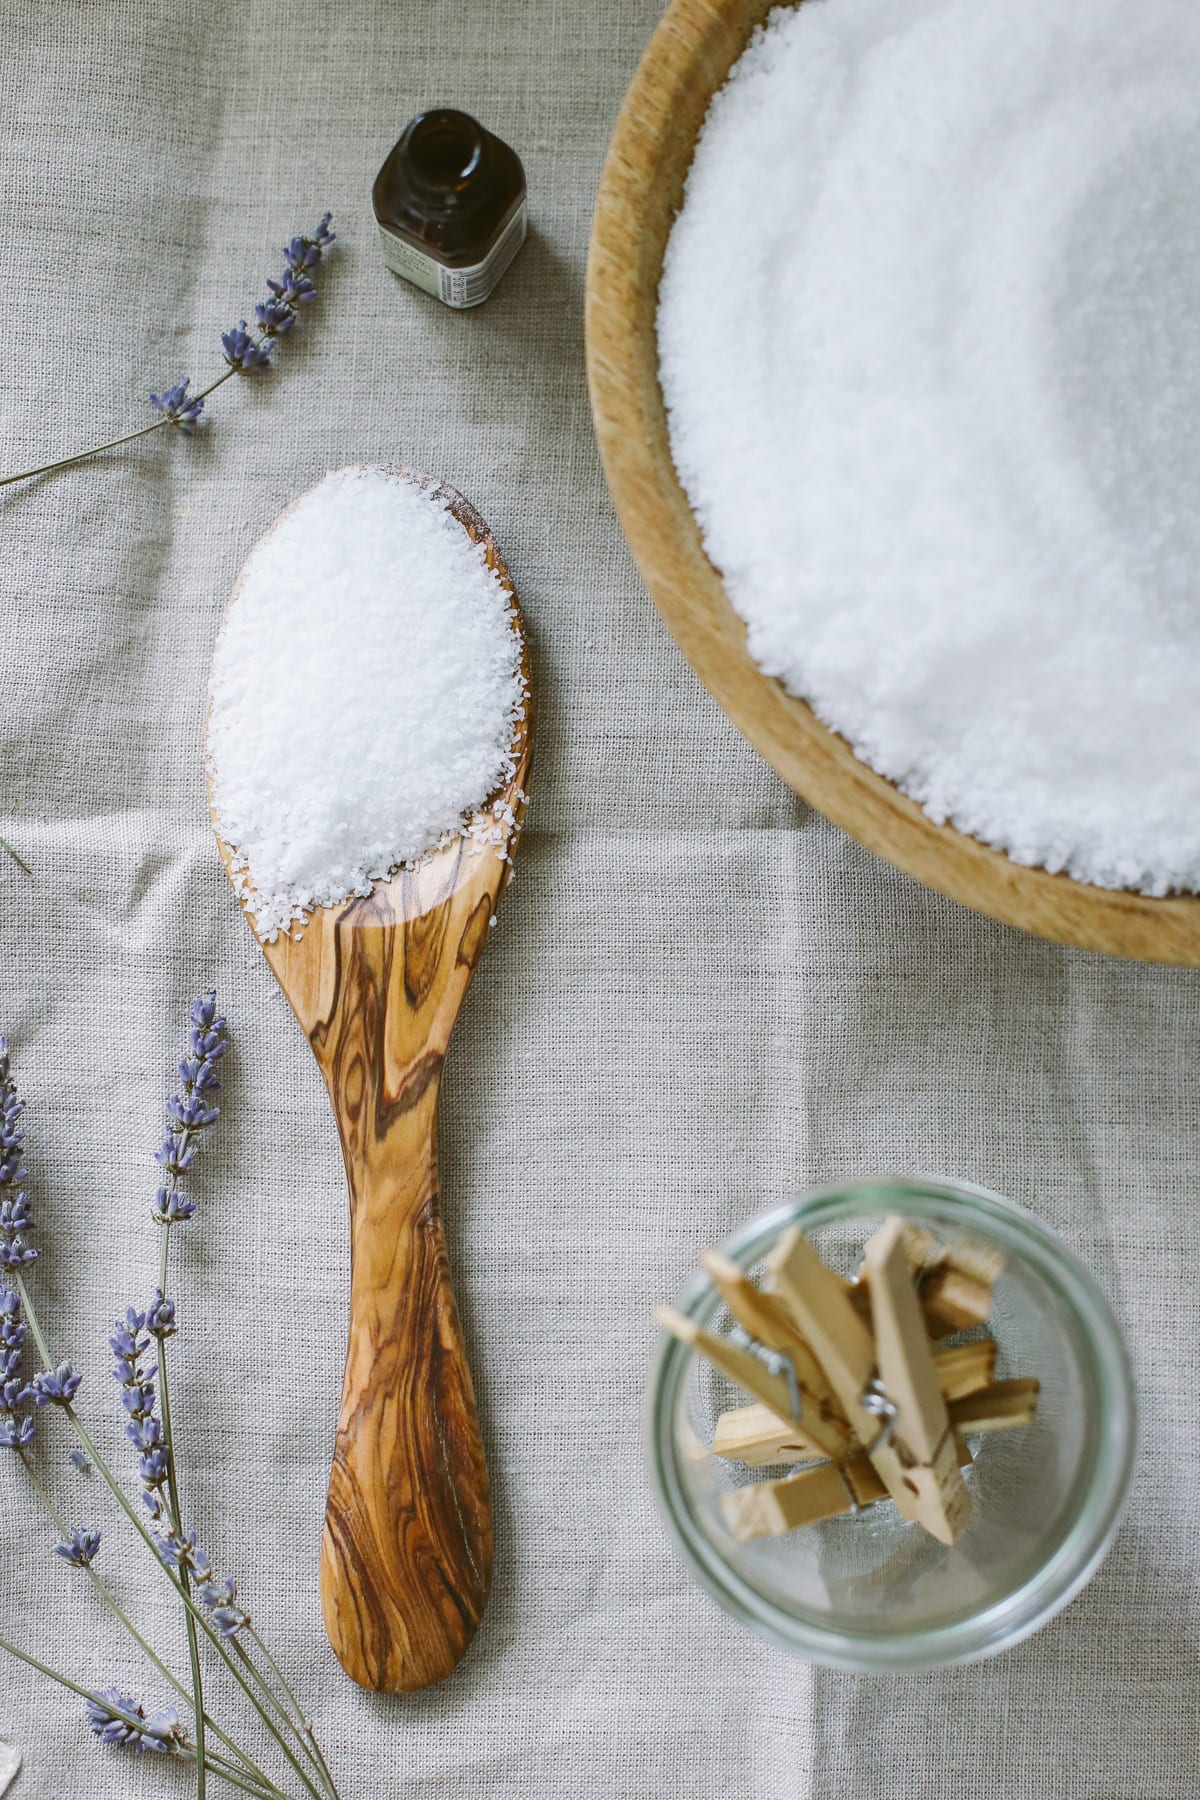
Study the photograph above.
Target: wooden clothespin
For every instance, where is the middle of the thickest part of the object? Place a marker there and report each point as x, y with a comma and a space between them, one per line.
754, 1435
998, 1407
764, 1317
845, 1349
964, 1368
785, 1395
954, 1284
907, 1373
954, 1300
771, 1508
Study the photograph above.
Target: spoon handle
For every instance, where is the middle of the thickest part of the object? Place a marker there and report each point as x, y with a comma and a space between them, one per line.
406, 1560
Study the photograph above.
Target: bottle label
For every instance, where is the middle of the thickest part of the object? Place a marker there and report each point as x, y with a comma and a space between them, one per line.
402, 259
459, 288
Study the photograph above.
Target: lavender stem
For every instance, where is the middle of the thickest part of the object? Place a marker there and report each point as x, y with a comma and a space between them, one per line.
119, 1496
68, 462
304, 1724
177, 1512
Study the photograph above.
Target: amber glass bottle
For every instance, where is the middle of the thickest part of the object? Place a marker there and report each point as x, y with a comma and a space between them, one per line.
450, 205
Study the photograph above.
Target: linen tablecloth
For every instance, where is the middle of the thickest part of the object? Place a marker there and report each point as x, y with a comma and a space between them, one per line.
700, 996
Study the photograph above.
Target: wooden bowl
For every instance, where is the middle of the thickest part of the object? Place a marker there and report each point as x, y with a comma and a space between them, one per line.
687, 60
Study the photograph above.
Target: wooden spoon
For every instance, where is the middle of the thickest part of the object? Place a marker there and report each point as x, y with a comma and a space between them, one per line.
377, 983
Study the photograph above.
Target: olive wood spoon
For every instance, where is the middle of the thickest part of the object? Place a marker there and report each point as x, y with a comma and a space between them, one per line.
377, 983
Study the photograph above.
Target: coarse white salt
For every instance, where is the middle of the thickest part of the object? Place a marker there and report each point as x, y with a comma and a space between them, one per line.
928, 340
366, 691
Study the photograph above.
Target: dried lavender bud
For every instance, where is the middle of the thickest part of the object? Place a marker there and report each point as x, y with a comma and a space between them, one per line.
220, 1601
157, 1732
55, 1387
79, 1461
172, 1207
306, 252
275, 318
293, 288
78, 1548
244, 352
182, 1552
190, 1113
179, 407
160, 1318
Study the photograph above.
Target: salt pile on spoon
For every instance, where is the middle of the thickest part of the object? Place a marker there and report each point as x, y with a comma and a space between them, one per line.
366, 689
928, 340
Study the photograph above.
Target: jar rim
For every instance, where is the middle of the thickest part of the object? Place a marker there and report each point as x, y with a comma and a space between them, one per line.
1074, 1559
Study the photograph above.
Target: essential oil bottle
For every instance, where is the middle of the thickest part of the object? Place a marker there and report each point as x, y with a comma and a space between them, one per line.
450, 205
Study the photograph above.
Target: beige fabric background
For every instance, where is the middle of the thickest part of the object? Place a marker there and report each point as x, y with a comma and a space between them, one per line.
699, 998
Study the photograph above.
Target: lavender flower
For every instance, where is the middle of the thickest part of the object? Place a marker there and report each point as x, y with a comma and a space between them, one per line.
178, 407
55, 1387
244, 352
306, 252
78, 1548
182, 1552
293, 288
160, 1317
275, 318
79, 1461
155, 1732
220, 1601
16, 1212
130, 1343
189, 1113
16, 1432
12, 1334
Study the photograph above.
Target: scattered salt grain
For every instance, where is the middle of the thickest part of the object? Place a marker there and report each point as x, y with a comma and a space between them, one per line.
928, 342
365, 694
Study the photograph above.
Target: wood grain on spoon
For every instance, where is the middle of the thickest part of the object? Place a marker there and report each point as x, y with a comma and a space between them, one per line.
377, 983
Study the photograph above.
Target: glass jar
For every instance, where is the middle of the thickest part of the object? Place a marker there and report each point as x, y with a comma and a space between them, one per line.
873, 1591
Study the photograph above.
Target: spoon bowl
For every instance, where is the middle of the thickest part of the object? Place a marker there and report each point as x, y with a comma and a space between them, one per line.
376, 982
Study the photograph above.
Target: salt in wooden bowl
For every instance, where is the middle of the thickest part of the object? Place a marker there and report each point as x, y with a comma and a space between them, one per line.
687, 60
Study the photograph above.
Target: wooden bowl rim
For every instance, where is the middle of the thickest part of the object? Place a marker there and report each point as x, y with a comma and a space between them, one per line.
687, 59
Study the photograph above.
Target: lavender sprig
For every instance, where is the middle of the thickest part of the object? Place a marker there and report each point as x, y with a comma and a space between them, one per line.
244, 351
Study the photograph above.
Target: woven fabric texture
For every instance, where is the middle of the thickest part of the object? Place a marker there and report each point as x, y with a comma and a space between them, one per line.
700, 997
